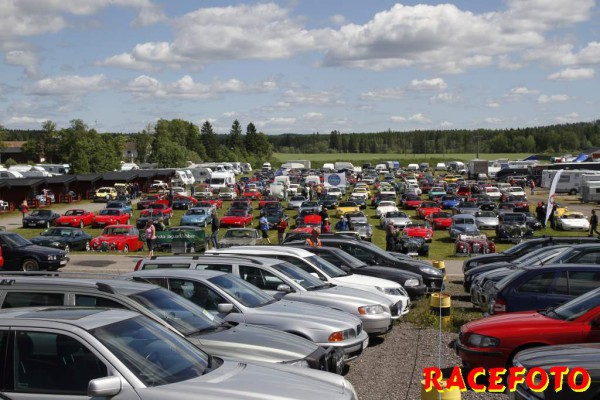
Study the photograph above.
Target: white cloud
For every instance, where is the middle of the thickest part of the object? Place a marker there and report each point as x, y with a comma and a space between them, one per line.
69, 85
571, 74
555, 98
397, 118
127, 61
547, 14
337, 19
428, 84
319, 98
446, 124
385, 94
416, 118
572, 117
448, 98
492, 104
590, 54
504, 62
24, 58
313, 116
25, 120
519, 93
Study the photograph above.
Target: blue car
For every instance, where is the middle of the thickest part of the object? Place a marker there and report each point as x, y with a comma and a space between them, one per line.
196, 216
448, 202
463, 224
120, 205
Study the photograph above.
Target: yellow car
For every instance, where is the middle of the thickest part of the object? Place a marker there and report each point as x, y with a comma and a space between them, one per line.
345, 207
105, 194
450, 178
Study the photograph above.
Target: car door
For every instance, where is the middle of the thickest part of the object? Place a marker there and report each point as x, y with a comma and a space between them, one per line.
533, 292
10, 255
583, 281
260, 278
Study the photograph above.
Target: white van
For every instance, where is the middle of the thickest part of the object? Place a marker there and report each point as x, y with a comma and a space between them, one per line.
221, 179
283, 179
267, 166
413, 167
312, 179
328, 166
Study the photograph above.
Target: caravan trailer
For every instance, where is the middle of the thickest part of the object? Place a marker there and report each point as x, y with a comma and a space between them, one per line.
569, 182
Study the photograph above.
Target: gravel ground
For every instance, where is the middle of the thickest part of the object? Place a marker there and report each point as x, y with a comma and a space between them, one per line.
392, 366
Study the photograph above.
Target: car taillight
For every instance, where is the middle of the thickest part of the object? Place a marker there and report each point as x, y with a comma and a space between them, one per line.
498, 306
138, 264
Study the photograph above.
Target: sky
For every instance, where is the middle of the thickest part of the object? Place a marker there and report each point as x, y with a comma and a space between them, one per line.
299, 66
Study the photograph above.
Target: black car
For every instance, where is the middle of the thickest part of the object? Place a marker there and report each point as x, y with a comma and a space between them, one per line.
40, 219
328, 201
486, 204
582, 355
411, 282
20, 254
182, 203
64, 238
412, 246
274, 216
525, 247
512, 227
371, 254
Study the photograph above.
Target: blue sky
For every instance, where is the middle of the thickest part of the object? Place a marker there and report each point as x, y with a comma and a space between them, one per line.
299, 66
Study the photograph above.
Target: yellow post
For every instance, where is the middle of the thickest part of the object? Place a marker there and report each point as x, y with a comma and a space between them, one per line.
440, 304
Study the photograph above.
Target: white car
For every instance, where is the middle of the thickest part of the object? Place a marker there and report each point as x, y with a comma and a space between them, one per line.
414, 188
486, 220
386, 206
361, 192
334, 191
516, 191
440, 167
492, 192
573, 221
293, 189
295, 202
399, 218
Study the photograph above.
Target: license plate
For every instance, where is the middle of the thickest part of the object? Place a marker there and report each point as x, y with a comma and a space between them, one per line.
32, 224
63, 262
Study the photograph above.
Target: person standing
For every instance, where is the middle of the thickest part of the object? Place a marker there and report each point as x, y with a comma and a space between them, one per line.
24, 207
150, 237
594, 224
324, 216
540, 213
532, 186
553, 217
313, 240
263, 224
281, 227
390, 235
214, 229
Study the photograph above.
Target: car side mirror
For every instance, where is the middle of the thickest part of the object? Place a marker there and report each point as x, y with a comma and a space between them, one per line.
225, 308
104, 387
284, 288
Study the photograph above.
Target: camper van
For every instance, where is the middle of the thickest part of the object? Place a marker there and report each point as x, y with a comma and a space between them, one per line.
201, 174
183, 178
221, 179
246, 167
570, 181
266, 166
6, 174
412, 167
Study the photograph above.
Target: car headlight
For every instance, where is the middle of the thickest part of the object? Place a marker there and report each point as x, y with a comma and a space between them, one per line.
370, 310
411, 282
391, 291
340, 336
430, 270
51, 258
476, 340
297, 363
55, 244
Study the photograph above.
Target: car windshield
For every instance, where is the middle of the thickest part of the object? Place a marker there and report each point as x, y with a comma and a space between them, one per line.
57, 232
463, 221
513, 218
154, 354
486, 214
347, 204
183, 315
15, 240
298, 275
326, 266
441, 215
244, 292
74, 212
577, 307
541, 255
109, 212
115, 231
115, 204
196, 211
298, 198
236, 213
41, 213
239, 234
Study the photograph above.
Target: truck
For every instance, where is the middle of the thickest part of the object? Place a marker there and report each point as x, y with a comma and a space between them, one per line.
477, 167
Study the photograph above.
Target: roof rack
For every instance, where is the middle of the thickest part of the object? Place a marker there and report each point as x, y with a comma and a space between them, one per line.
62, 274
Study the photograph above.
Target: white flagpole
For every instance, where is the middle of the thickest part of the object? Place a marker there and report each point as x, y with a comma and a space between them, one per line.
551, 195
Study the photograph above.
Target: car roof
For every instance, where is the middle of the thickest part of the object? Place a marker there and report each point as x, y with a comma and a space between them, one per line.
83, 317
176, 272
561, 267
32, 280
258, 249
217, 258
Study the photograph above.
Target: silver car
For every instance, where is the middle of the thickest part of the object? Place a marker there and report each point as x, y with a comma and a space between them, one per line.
236, 300
486, 220
212, 334
118, 354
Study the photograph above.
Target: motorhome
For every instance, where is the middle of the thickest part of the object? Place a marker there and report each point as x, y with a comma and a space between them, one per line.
56, 169
201, 174
6, 174
246, 167
328, 167
343, 165
412, 167
266, 166
283, 179
183, 178
221, 179
569, 181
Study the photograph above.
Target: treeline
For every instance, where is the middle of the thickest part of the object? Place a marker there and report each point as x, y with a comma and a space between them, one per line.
545, 139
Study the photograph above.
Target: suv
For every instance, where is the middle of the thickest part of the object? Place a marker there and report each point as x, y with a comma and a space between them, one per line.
212, 290
525, 247
168, 309
20, 254
59, 353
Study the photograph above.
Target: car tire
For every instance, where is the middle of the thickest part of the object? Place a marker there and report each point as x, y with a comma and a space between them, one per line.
30, 265
126, 249
81, 224
87, 247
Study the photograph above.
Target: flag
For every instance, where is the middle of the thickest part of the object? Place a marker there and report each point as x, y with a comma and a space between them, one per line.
552, 195
335, 180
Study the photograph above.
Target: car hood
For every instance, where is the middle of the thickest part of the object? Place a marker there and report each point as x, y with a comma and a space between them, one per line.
364, 280
238, 242
254, 343
37, 217
41, 249
47, 239
517, 322
108, 238
241, 381
350, 296
387, 272
585, 355
487, 220
321, 317
194, 217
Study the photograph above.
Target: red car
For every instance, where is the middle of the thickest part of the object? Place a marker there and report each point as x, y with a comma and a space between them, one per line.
110, 216
427, 208
190, 198
416, 229
236, 218
439, 220
463, 191
492, 342
466, 245
145, 201
215, 201
162, 205
75, 218
265, 200
413, 202
123, 238
253, 194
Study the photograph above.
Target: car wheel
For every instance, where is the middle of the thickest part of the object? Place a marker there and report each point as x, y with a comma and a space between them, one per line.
30, 265
87, 245
126, 249
67, 248
573, 192
81, 224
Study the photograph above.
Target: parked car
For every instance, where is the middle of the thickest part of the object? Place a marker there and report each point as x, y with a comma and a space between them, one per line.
240, 237
466, 207
105, 194
494, 341
363, 228
64, 238
583, 355
295, 202
399, 218
486, 220
411, 245
439, 220
427, 208
473, 243
110, 353
539, 287
120, 205
148, 199
19, 253
77, 218
156, 216
124, 238
236, 218
462, 224
418, 229
235, 300
196, 217
109, 216
183, 203
573, 221
40, 219
345, 207
512, 227
196, 324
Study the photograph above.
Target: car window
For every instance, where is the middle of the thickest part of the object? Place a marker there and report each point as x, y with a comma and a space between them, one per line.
581, 282
84, 300
260, 278
215, 267
52, 363
32, 299
197, 293
539, 283
165, 265
588, 257
561, 286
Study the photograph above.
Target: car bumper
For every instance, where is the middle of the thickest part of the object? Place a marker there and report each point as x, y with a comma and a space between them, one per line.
415, 292
352, 348
53, 265
471, 357
34, 224
377, 324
